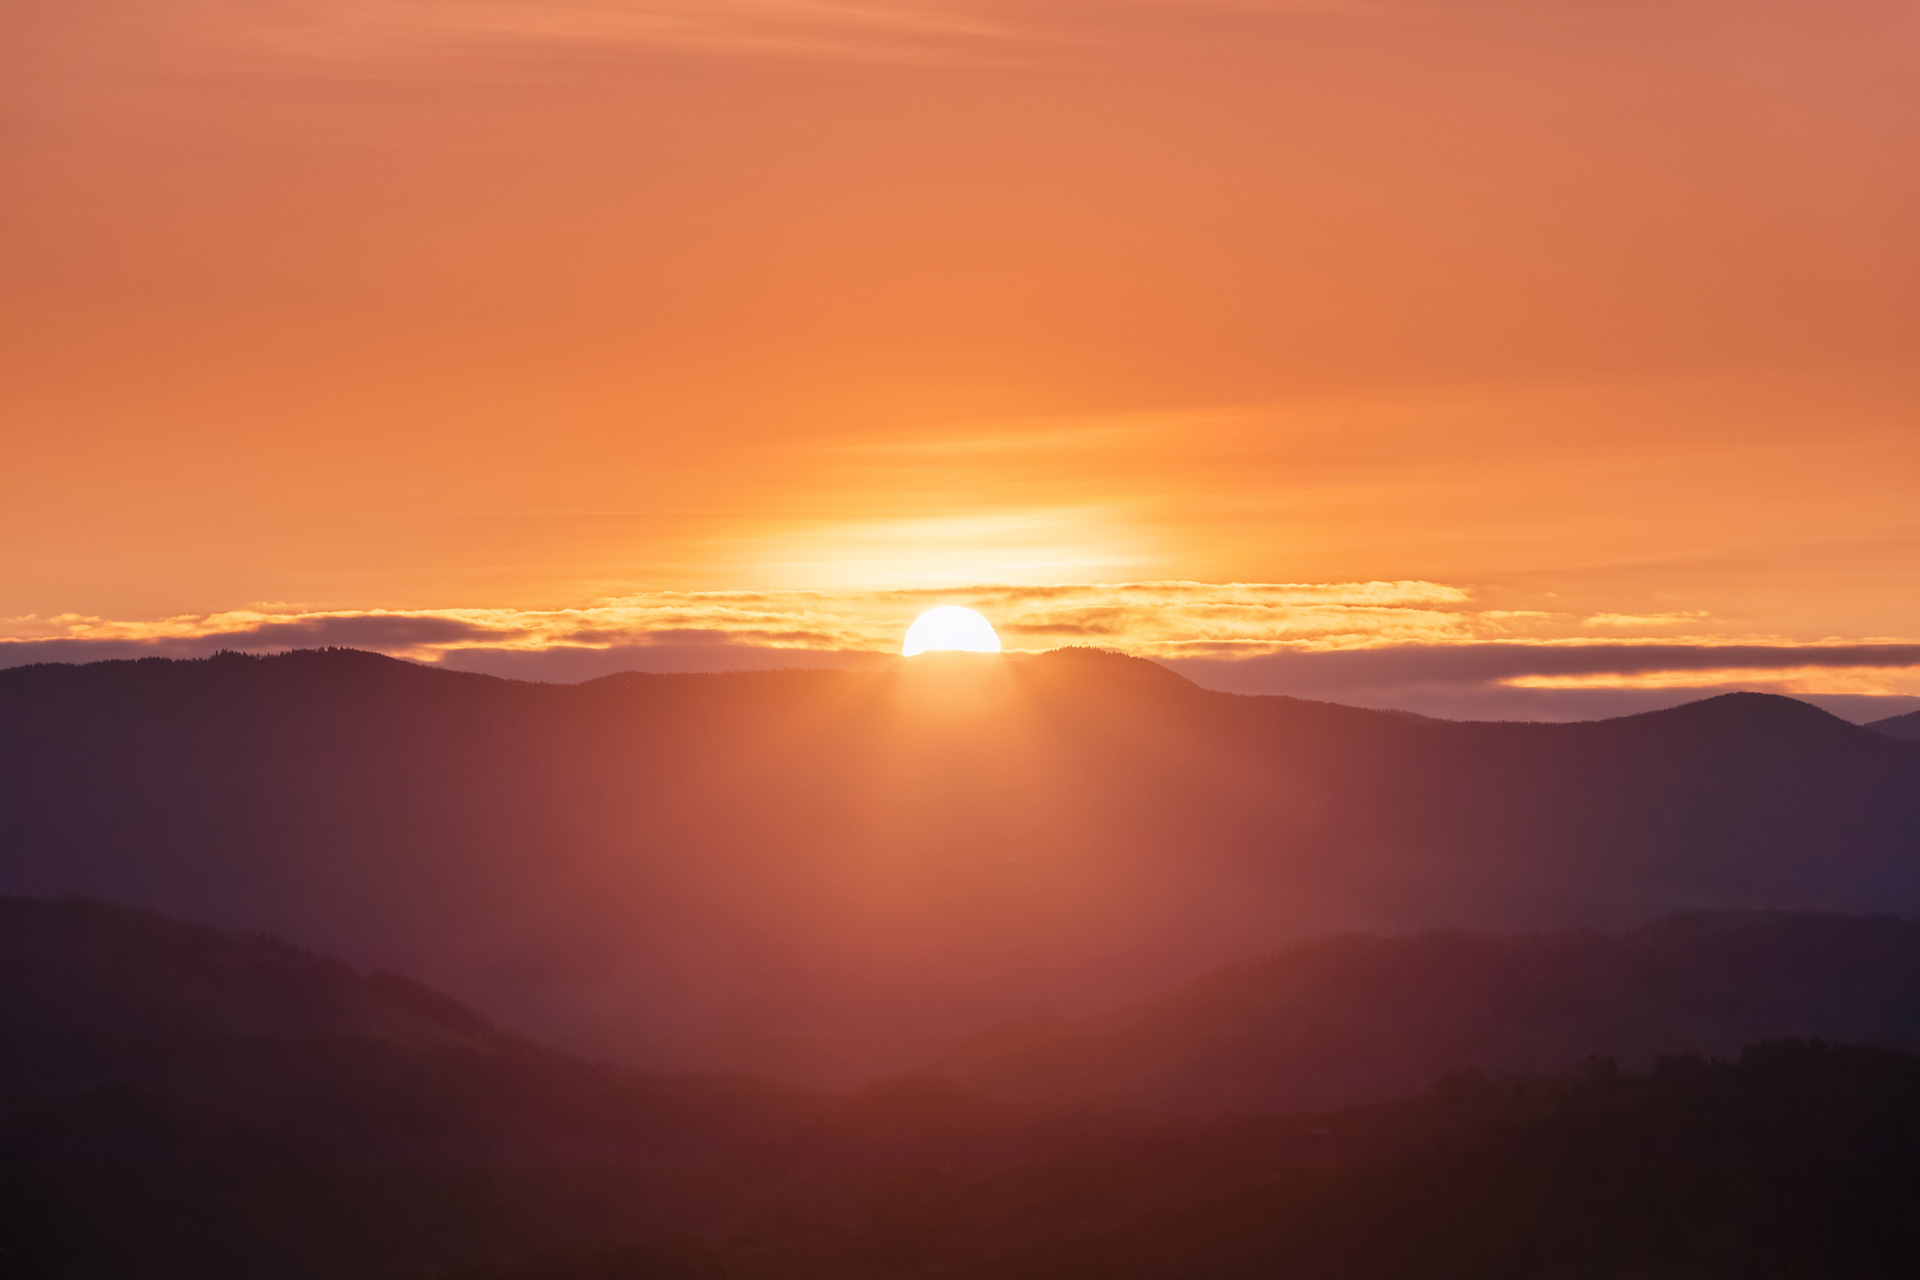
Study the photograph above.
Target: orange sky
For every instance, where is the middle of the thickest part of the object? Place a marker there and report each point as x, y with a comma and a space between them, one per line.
1579, 309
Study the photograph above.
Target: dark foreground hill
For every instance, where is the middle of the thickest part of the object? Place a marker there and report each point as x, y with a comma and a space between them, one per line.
1799, 1161
90, 975
1335, 1021
833, 874
104, 1006
182, 1104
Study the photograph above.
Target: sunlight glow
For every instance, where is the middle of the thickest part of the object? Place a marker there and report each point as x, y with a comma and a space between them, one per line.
950, 627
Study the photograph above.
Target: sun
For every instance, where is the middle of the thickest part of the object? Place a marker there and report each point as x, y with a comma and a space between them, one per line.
950, 627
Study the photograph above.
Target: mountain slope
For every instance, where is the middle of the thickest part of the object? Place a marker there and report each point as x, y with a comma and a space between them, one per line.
1336, 1021
1799, 1161
1906, 727
252, 1045
89, 970
831, 873
180, 1102
177, 1103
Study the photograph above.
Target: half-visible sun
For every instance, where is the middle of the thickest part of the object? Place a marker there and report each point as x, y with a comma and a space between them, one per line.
950, 627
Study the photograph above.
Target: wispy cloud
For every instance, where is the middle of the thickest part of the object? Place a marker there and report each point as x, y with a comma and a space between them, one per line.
374, 31
1585, 663
1577, 678
1142, 617
1338, 640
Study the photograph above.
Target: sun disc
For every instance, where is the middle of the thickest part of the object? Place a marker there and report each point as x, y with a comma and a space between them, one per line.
950, 627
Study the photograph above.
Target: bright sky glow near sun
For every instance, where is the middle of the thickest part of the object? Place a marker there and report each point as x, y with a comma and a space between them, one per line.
1476, 356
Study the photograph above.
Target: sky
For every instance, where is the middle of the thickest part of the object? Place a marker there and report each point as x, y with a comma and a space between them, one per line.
1477, 357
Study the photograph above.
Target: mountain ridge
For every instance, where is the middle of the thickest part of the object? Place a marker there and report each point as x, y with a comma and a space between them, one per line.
258, 1133
1906, 727
1360, 1018
830, 874
80, 966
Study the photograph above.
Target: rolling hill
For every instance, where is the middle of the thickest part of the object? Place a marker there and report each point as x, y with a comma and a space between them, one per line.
177, 1102
248, 1047
1363, 1018
831, 875
1906, 727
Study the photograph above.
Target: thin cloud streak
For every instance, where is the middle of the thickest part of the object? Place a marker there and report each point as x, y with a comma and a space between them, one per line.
1145, 617
1561, 664
369, 33
1577, 679
1409, 644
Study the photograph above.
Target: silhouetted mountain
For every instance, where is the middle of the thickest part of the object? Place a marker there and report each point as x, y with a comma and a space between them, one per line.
298, 1055
179, 1104
835, 873
1335, 1021
96, 973
1906, 728
1800, 1161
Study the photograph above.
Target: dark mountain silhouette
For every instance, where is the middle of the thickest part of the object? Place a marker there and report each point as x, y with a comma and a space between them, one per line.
1906, 727
180, 1103
176, 1101
1799, 1161
1342, 1020
96, 973
834, 873
301, 1055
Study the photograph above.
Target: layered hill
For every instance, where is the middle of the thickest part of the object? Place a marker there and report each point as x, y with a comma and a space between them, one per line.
1345, 1020
178, 1103
95, 974
1799, 1161
1906, 727
831, 874
132, 1037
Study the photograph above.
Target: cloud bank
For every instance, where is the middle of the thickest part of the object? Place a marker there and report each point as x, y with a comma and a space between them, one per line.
1412, 645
